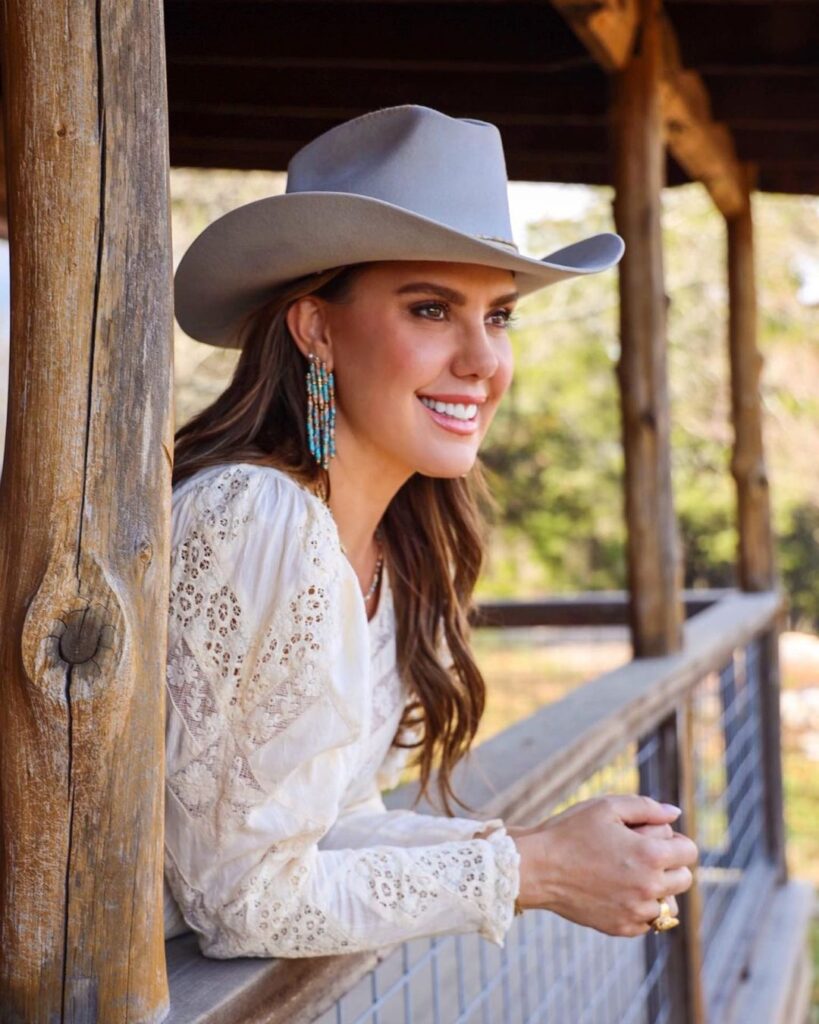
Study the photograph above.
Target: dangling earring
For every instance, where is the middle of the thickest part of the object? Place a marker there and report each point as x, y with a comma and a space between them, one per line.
321, 411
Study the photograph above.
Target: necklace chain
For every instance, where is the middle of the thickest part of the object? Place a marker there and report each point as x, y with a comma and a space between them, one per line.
376, 576
379, 564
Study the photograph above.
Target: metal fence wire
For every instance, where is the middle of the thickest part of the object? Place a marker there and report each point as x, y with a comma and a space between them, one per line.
552, 971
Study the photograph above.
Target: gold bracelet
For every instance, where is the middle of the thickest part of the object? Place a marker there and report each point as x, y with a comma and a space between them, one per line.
518, 907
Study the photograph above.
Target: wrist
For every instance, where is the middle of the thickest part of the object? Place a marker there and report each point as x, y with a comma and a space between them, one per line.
533, 892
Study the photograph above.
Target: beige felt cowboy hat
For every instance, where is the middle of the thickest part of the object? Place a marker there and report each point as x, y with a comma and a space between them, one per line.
400, 183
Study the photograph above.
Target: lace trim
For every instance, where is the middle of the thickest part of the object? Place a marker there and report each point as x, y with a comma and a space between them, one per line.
270, 916
501, 911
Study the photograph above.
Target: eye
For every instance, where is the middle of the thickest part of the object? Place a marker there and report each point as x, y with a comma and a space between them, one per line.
506, 315
440, 306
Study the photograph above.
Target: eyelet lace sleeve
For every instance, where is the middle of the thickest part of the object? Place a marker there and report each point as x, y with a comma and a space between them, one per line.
268, 706
358, 824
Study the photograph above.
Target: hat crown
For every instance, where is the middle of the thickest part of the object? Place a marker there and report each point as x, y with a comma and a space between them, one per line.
449, 169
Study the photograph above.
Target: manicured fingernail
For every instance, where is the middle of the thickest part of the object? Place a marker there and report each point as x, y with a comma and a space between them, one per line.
673, 807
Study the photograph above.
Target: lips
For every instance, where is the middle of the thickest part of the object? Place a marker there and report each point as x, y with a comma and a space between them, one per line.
451, 423
455, 399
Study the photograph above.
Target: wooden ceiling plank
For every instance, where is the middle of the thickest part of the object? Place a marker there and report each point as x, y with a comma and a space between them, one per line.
782, 176
578, 95
495, 34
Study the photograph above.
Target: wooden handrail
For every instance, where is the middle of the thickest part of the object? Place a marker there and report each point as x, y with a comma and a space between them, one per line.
586, 608
518, 775
537, 762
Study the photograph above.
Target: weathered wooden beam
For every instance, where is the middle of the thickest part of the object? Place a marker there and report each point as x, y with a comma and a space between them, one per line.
690, 902
593, 608
702, 147
653, 548
606, 27
4, 215
84, 514
756, 553
756, 564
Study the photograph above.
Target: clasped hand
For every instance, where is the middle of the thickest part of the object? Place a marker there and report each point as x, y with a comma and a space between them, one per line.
605, 862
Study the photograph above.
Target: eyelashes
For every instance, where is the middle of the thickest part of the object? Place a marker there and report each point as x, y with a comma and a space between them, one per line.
509, 316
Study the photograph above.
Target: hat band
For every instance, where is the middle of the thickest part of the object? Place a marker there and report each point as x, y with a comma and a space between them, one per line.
499, 241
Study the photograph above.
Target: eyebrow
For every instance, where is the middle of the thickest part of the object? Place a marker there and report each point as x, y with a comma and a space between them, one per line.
449, 293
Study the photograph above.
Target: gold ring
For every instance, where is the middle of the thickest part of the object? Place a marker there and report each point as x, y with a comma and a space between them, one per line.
665, 919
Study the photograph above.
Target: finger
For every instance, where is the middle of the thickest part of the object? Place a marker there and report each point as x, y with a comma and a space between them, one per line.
684, 850
638, 809
678, 880
648, 910
675, 851
658, 831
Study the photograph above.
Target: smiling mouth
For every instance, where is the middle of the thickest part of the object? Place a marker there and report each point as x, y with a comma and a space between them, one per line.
463, 412
455, 417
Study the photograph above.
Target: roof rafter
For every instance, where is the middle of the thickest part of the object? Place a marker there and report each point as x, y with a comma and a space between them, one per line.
701, 146
606, 27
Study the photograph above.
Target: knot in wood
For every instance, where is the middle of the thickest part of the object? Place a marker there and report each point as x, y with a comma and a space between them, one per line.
145, 552
82, 638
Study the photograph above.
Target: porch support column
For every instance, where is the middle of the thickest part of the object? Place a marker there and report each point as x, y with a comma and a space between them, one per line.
755, 561
756, 558
653, 546
84, 513
653, 550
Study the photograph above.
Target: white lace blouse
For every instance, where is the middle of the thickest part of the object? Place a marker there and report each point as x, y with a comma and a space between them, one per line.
283, 701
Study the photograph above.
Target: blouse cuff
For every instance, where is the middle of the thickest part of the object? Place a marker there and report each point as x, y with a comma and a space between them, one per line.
507, 885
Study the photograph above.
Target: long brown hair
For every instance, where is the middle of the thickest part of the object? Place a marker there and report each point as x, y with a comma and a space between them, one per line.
434, 530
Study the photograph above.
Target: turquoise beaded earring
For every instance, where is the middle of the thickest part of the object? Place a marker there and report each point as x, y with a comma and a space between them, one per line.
321, 411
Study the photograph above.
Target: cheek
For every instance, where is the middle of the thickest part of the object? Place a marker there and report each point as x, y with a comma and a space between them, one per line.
408, 365
502, 377
380, 379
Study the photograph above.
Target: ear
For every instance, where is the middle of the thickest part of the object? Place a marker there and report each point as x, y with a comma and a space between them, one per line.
307, 322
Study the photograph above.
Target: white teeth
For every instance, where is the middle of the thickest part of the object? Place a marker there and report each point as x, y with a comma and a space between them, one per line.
455, 409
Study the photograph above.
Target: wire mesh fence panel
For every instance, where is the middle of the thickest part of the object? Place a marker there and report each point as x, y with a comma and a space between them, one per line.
730, 797
553, 971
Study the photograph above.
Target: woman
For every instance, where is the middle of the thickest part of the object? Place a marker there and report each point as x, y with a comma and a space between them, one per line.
326, 542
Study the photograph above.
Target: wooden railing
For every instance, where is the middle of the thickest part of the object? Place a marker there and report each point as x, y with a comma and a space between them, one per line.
699, 728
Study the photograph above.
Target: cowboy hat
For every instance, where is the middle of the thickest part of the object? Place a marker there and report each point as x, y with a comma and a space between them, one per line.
399, 183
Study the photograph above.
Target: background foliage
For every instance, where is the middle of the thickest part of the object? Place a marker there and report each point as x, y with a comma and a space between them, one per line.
554, 451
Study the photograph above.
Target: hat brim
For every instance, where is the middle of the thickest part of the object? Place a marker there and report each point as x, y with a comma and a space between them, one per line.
236, 263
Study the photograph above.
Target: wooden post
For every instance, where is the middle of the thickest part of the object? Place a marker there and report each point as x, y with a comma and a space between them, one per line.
756, 562
690, 901
756, 559
4, 218
653, 552
654, 564
84, 513
666, 767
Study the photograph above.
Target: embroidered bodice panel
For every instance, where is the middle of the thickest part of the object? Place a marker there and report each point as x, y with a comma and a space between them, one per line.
283, 702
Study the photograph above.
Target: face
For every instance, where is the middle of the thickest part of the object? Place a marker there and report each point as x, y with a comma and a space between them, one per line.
421, 357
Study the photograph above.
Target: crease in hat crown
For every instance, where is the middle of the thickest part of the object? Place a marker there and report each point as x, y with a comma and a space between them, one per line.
417, 158
398, 183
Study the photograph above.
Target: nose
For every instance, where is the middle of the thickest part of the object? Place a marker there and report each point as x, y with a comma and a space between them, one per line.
477, 354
